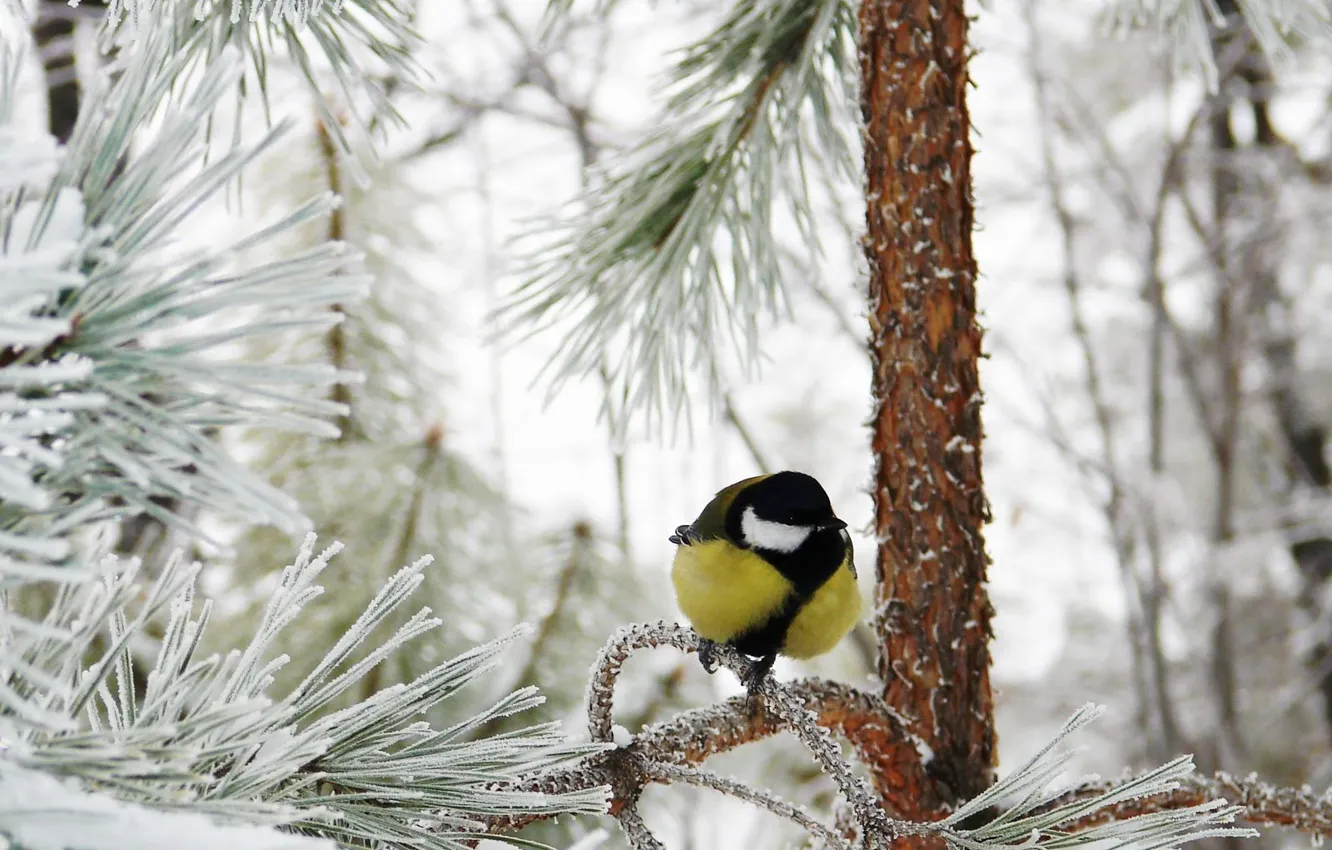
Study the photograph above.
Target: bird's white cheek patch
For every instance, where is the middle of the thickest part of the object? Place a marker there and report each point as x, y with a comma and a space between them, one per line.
773, 536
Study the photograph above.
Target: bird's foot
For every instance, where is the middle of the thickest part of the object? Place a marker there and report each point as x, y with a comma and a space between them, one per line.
707, 654
758, 672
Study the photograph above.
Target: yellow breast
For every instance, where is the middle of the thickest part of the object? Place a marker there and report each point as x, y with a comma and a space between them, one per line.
826, 618
725, 591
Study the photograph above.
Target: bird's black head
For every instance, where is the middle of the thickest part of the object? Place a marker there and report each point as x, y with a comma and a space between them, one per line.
781, 513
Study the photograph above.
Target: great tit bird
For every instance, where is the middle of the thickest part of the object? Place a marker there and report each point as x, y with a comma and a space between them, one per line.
767, 568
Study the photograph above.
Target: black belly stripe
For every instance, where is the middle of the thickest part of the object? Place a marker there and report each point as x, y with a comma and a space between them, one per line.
812, 564
768, 638
808, 568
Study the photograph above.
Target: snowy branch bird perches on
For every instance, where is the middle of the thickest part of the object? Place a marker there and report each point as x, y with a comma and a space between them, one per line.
1028, 808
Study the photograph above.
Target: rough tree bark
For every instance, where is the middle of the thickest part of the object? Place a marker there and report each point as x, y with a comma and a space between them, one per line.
933, 615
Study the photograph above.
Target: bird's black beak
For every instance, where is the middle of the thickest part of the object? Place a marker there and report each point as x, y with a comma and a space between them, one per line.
833, 524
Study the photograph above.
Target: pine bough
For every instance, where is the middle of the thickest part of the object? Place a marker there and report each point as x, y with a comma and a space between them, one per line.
116, 344
1034, 809
357, 48
206, 738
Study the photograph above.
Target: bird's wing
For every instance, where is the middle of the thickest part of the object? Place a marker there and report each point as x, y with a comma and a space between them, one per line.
850, 551
711, 522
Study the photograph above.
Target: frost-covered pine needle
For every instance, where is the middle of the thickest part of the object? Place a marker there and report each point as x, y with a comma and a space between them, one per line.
670, 259
1029, 819
345, 49
115, 344
208, 734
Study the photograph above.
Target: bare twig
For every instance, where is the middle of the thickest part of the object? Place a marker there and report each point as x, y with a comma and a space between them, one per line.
336, 340
737, 421
564, 583
640, 837
433, 449
407, 538
619, 471
582, 540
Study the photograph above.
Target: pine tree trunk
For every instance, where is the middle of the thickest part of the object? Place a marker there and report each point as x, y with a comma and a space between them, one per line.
933, 615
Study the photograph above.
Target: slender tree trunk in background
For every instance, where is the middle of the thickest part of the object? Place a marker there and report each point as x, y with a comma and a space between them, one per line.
933, 615
1229, 318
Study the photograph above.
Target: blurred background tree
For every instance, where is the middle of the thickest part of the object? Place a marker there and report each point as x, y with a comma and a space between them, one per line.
1185, 392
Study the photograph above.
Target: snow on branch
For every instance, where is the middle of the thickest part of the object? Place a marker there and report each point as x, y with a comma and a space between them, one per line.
115, 344
38, 395
39, 811
737, 789
208, 731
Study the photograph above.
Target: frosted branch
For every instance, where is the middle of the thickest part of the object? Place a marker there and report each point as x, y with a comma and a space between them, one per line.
788, 705
1299, 809
606, 669
640, 837
1031, 815
874, 821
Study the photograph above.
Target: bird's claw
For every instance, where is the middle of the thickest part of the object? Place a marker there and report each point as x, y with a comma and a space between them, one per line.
752, 676
757, 673
707, 654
